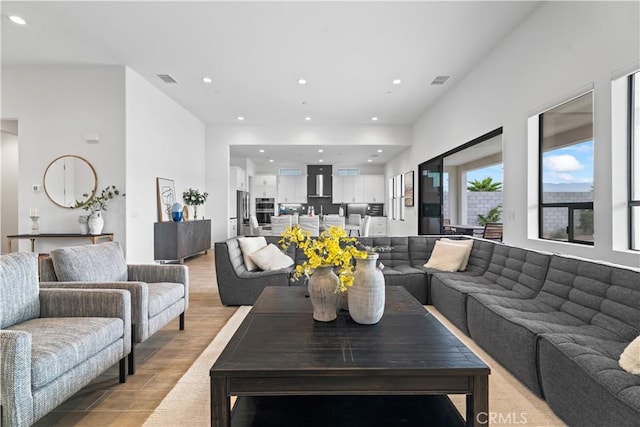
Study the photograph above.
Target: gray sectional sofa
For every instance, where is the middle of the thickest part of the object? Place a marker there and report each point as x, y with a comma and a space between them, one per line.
558, 324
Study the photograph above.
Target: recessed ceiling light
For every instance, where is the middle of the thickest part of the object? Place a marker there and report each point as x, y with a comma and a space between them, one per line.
307, 118
320, 150
240, 118
380, 150
207, 79
17, 20
396, 81
302, 82
270, 160
374, 119
320, 161
369, 160
261, 150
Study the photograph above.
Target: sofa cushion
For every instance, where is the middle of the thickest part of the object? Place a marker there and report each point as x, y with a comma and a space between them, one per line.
447, 256
516, 269
271, 258
163, 295
630, 357
508, 329
583, 383
103, 262
598, 294
61, 343
18, 288
249, 245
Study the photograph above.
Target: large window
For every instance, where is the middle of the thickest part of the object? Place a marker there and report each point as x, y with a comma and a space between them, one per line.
634, 161
566, 171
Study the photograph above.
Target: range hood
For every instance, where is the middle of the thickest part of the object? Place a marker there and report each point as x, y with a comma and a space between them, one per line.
318, 181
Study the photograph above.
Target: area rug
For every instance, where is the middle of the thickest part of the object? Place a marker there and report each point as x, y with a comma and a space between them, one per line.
510, 403
187, 404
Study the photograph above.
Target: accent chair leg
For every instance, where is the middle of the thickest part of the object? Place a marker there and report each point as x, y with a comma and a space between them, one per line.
123, 370
132, 361
132, 357
182, 321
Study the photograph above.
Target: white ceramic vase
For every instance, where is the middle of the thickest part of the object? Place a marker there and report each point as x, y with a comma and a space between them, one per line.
366, 296
95, 222
322, 292
83, 223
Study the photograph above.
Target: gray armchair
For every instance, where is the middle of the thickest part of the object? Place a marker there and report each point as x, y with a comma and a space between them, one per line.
159, 293
53, 342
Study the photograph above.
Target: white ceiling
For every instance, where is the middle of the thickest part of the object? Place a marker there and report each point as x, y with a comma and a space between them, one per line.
349, 52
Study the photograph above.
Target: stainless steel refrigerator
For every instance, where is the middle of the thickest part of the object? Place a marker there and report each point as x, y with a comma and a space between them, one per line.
243, 209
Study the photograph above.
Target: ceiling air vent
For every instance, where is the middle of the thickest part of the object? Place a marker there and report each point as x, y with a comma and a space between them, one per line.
439, 80
167, 78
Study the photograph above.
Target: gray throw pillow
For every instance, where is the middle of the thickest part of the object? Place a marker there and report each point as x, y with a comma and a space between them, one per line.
103, 262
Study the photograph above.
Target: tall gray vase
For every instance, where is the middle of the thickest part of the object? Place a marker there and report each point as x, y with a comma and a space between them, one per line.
366, 296
322, 291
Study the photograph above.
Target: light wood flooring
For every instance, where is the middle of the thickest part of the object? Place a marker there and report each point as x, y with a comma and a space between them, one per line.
161, 361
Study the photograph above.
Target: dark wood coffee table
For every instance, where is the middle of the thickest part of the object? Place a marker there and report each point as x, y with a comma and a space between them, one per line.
288, 369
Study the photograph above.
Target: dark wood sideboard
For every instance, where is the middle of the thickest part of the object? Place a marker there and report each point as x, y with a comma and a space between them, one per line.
175, 241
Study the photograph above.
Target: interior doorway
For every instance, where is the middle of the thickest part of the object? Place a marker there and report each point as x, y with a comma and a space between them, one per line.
8, 181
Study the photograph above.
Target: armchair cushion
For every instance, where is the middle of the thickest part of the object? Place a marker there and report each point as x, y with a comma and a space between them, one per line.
19, 303
163, 295
103, 262
59, 344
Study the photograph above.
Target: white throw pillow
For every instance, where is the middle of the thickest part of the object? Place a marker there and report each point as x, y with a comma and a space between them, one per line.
630, 357
446, 256
468, 243
249, 245
271, 258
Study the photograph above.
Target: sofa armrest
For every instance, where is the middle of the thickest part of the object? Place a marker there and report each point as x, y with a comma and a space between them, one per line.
158, 273
16, 396
139, 299
153, 273
89, 303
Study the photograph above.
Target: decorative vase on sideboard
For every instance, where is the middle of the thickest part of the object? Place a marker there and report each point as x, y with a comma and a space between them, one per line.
95, 222
366, 296
83, 222
322, 292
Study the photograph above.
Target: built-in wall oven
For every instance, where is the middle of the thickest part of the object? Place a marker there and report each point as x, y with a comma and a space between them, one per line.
264, 209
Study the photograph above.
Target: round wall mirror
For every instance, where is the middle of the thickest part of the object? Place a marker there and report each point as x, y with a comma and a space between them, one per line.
70, 181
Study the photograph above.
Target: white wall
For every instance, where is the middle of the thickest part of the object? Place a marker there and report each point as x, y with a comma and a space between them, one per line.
8, 188
163, 140
560, 48
55, 107
220, 137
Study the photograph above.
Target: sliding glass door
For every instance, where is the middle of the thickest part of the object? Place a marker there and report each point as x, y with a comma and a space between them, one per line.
430, 198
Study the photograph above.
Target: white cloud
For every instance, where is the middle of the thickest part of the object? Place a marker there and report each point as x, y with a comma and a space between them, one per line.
562, 163
560, 176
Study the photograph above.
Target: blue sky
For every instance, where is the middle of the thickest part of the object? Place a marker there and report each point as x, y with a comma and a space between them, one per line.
569, 165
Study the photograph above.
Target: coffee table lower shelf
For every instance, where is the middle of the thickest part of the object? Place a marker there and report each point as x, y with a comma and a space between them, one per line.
339, 411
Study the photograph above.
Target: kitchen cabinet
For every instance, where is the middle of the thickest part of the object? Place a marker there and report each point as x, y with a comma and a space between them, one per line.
373, 188
265, 186
378, 226
238, 178
292, 189
358, 189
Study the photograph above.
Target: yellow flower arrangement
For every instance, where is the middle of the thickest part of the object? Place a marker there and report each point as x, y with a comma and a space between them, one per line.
332, 247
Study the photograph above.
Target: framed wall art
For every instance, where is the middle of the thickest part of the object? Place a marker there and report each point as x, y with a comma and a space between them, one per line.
166, 198
408, 188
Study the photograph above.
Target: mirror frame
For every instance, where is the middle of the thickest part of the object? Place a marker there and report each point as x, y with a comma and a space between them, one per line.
91, 193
